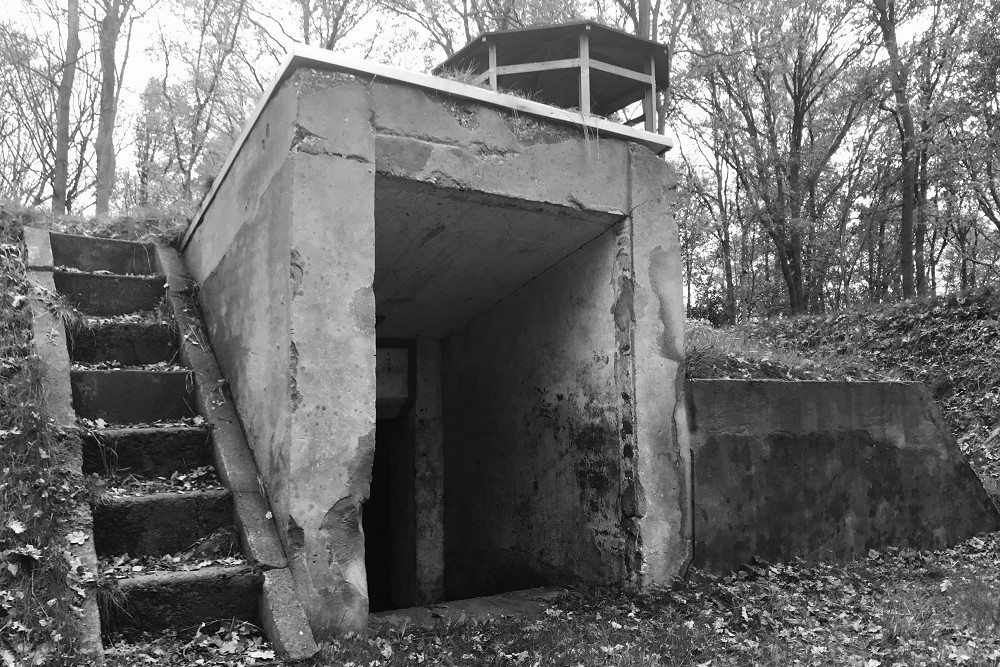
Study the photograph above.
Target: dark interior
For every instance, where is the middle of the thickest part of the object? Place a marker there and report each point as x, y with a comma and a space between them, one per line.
388, 518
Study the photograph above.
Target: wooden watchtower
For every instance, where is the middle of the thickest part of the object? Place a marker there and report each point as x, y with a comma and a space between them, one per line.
582, 65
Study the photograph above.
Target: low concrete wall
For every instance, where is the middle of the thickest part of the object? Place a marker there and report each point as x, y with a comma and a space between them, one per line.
825, 469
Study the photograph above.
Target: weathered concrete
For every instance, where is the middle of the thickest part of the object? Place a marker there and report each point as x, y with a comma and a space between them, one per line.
107, 295
428, 435
283, 619
49, 343
87, 253
281, 614
826, 469
159, 523
128, 343
184, 600
146, 452
526, 605
547, 418
133, 396
656, 498
353, 202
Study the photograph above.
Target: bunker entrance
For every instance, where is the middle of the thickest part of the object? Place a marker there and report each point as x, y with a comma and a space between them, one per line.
497, 462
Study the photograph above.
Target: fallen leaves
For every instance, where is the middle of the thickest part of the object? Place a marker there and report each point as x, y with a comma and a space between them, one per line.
894, 608
77, 537
202, 478
229, 644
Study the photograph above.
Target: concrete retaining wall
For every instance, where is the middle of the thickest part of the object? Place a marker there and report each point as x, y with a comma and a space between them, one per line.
826, 469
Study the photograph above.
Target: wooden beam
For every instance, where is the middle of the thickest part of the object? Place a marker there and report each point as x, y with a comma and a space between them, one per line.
493, 64
649, 99
568, 63
621, 71
585, 74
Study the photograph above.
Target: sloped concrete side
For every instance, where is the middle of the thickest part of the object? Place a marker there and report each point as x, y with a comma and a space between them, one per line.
281, 612
826, 469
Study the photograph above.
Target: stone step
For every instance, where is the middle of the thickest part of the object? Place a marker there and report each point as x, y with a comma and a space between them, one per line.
128, 343
104, 295
147, 452
159, 523
182, 600
86, 253
124, 396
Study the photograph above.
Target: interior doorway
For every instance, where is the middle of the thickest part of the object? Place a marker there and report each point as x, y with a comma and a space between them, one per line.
388, 517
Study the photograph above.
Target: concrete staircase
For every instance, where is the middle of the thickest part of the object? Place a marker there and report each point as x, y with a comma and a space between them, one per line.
160, 432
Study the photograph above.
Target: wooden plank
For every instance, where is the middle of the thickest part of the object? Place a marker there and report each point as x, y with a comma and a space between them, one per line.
649, 99
493, 65
566, 63
621, 71
585, 74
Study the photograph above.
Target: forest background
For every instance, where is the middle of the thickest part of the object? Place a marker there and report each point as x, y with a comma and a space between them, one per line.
830, 152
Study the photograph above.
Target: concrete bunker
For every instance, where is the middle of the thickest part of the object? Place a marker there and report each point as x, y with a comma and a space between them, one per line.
451, 320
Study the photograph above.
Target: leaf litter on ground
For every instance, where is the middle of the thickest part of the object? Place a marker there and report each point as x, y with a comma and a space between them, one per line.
892, 608
202, 478
220, 548
231, 644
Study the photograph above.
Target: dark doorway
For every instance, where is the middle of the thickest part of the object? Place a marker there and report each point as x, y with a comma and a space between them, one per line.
388, 518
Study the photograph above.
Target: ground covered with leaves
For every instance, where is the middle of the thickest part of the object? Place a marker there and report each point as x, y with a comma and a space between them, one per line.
40, 585
897, 608
231, 644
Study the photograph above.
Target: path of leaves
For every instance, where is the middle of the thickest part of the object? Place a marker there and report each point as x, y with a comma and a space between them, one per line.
899, 608
234, 644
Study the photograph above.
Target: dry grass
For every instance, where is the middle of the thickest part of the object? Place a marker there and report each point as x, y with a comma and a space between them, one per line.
38, 491
731, 353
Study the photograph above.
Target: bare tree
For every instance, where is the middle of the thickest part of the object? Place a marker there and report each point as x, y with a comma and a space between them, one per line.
110, 18
786, 86
200, 90
65, 93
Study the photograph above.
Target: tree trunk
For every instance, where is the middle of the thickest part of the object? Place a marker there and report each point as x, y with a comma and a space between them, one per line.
885, 17
108, 33
60, 174
921, 205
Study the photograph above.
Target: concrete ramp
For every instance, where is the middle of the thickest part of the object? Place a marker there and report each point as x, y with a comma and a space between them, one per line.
826, 470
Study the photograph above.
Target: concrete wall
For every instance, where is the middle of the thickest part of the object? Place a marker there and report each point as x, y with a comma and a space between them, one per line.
302, 239
241, 260
532, 444
826, 469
